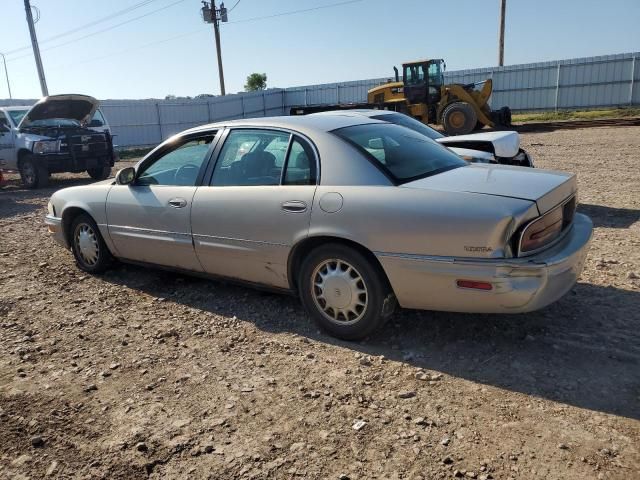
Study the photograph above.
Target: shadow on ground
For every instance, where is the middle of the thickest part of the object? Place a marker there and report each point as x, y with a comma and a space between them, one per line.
584, 350
610, 217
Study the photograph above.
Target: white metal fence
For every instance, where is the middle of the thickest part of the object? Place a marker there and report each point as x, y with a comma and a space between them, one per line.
592, 82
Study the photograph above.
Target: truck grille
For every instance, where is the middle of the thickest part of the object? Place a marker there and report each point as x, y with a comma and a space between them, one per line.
86, 145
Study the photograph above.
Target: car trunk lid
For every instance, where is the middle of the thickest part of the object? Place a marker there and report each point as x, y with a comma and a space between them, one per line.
545, 187
75, 107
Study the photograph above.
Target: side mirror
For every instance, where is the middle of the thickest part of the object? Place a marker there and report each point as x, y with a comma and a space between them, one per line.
126, 176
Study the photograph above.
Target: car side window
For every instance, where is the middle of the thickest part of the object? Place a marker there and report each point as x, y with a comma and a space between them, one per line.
179, 166
251, 157
301, 164
4, 121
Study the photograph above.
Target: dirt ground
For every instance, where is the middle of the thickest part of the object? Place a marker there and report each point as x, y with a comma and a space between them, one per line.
147, 374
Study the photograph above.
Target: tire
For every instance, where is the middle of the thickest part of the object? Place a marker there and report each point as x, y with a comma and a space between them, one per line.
88, 247
99, 173
479, 126
365, 313
33, 174
459, 118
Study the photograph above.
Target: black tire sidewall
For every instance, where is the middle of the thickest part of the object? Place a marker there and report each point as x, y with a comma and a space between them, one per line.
99, 173
41, 174
104, 256
470, 118
378, 292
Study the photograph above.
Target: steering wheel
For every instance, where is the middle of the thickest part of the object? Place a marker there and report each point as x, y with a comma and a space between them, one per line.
186, 175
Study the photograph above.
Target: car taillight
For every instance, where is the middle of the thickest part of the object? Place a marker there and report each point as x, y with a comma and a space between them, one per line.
543, 231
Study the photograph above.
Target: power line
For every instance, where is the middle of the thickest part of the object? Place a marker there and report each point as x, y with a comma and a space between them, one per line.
296, 11
103, 30
229, 10
86, 25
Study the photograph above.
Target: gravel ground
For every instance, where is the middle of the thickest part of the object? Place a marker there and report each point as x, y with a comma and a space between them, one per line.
146, 374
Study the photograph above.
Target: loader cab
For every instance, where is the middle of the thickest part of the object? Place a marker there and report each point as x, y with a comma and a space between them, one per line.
423, 81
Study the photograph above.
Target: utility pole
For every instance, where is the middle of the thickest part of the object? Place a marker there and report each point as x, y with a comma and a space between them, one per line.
214, 15
6, 74
503, 8
36, 49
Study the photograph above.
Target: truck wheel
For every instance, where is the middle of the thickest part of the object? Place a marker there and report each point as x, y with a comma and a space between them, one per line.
344, 292
33, 174
99, 173
459, 118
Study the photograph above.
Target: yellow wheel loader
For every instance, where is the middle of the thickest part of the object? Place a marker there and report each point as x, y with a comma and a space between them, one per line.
422, 93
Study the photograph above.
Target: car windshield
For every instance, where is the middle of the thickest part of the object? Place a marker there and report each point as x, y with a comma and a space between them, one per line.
16, 115
403, 154
412, 123
55, 122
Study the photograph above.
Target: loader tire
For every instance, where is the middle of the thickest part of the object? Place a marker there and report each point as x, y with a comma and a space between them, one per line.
459, 118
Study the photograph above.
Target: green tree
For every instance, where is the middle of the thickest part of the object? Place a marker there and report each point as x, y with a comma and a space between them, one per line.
256, 81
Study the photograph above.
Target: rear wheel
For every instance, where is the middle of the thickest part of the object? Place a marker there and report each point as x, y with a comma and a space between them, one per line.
32, 173
344, 292
99, 173
459, 118
88, 247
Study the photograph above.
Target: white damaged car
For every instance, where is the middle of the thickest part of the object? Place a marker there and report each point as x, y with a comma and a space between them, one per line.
486, 147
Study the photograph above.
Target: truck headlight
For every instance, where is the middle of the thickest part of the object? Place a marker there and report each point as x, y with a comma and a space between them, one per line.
46, 146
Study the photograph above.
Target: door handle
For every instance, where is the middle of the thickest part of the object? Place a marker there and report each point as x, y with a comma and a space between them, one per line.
294, 206
177, 202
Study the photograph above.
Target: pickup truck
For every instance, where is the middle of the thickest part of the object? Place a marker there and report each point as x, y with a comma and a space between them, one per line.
60, 133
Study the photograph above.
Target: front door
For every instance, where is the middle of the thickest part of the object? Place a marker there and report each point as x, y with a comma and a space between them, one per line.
150, 220
257, 205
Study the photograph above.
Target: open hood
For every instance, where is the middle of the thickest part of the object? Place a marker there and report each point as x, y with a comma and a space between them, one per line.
73, 106
503, 144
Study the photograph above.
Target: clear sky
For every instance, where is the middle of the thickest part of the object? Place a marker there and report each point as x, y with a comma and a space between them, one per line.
171, 51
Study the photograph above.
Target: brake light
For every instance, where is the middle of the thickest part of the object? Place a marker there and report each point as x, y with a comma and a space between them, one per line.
543, 231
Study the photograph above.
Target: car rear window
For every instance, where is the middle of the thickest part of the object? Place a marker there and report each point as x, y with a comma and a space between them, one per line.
402, 154
412, 123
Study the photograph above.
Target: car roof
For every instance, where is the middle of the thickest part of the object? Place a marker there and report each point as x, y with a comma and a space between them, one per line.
306, 124
16, 107
356, 112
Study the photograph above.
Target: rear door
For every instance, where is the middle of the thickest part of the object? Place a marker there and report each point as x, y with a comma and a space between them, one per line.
256, 206
150, 220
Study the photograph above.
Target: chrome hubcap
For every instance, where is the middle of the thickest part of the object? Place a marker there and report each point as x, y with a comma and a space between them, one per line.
87, 244
339, 291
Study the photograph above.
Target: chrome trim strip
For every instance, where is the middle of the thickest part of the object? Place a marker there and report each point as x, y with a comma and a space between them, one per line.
229, 239
145, 230
493, 262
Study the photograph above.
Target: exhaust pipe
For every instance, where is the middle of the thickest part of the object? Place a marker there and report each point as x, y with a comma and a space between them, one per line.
395, 69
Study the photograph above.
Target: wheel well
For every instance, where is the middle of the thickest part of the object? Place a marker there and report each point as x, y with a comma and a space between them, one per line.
303, 248
69, 215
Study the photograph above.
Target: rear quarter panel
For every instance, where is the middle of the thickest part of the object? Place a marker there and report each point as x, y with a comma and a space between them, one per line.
389, 219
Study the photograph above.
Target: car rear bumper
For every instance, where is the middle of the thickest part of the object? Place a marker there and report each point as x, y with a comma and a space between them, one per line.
517, 285
54, 228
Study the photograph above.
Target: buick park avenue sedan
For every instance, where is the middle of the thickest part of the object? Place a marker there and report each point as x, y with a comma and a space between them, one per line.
353, 214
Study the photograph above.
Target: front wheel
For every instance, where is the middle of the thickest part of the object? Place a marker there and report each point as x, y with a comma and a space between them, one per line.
88, 247
345, 292
33, 174
459, 118
99, 173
